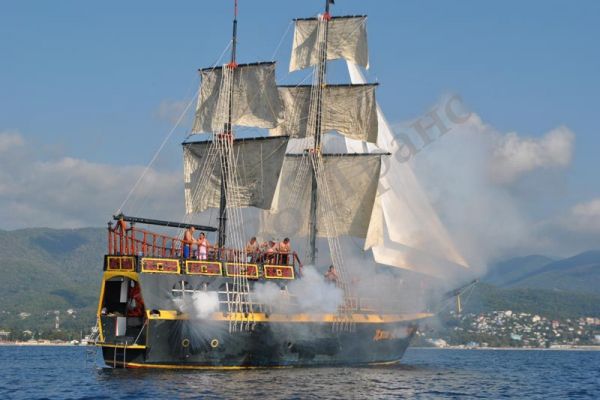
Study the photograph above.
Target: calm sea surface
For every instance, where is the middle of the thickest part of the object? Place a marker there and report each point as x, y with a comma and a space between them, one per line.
61, 373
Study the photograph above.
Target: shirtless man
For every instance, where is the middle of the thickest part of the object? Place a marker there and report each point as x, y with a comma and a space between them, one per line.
188, 241
283, 248
331, 276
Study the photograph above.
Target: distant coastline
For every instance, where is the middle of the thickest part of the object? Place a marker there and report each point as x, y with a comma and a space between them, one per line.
41, 343
558, 348
555, 348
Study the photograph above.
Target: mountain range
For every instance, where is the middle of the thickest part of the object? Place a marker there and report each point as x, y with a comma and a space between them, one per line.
537, 284
48, 270
580, 273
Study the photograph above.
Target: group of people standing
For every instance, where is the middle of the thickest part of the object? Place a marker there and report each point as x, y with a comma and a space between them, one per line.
189, 241
266, 252
269, 251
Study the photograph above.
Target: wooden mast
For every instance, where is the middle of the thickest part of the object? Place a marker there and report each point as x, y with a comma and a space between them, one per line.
227, 136
321, 81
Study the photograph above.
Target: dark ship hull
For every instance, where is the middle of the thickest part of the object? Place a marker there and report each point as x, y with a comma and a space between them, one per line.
196, 345
164, 336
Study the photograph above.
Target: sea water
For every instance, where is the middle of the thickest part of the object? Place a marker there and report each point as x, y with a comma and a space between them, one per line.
63, 373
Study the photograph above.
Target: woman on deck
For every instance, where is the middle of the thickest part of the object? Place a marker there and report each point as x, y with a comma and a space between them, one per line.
203, 245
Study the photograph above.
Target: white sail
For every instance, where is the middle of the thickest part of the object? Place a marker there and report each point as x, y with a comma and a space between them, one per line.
351, 187
258, 165
348, 109
255, 98
417, 260
346, 38
405, 213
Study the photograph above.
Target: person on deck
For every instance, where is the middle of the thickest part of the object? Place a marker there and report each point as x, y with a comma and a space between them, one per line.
203, 245
268, 251
282, 249
252, 249
135, 305
331, 275
188, 241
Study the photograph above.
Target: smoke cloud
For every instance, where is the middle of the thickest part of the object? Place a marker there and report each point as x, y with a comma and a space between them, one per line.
311, 294
482, 182
199, 305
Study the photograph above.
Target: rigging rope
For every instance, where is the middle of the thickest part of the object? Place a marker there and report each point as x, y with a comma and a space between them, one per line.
281, 40
162, 145
166, 139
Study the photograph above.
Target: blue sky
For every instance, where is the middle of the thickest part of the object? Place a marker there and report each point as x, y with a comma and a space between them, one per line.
88, 80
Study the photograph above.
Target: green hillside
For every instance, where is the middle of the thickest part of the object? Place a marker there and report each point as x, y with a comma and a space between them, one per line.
47, 270
510, 271
580, 273
549, 303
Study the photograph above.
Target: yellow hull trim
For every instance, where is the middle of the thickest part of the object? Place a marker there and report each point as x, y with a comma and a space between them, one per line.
357, 318
122, 346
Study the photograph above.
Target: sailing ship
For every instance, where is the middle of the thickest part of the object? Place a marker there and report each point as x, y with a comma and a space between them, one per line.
169, 303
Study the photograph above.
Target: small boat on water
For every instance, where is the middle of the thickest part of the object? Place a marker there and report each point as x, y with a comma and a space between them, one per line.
168, 302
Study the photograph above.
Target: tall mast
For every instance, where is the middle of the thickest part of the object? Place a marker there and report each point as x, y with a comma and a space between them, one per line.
321, 81
227, 136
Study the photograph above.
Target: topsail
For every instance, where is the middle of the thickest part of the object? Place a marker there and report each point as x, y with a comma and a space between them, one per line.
346, 38
348, 109
256, 100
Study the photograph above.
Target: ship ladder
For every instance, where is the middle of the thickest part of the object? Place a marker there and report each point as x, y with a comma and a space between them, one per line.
125, 355
343, 323
115, 355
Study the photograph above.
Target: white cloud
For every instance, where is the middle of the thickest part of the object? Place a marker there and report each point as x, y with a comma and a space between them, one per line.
584, 217
590, 209
10, 140
68, 192
514, 156
573, 231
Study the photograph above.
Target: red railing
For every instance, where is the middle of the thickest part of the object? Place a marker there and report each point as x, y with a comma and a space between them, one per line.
123, 240
131, 241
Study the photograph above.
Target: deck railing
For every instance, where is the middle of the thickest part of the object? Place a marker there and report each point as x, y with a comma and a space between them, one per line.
133, 241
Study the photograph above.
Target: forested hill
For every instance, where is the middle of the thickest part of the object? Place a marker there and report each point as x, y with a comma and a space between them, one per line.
566, 288
45, 271
579, 273
48, 270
